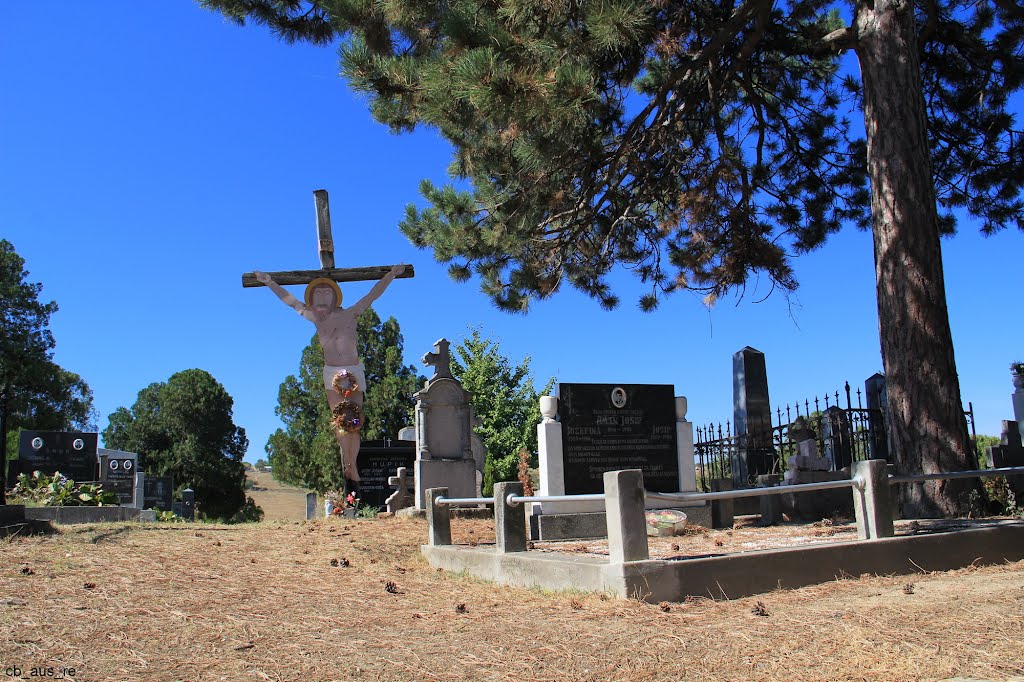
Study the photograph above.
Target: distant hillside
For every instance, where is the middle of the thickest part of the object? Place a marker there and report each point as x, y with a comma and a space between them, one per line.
278, 500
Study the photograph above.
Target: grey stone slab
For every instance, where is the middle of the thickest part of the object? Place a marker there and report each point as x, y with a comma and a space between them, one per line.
583, 526
71, 515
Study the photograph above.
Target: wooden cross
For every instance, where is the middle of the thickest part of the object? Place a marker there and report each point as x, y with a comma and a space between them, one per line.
326, 246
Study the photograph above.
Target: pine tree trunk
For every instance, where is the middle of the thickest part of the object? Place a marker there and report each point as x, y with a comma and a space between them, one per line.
927, 427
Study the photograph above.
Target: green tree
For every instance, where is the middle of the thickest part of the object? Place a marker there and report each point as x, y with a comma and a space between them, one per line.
35, 392
700, 142
304, 452
505, 403
389, 403
184, 428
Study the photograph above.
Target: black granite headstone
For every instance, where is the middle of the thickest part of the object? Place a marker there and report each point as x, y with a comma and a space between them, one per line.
117, 474
158, 492
378, 460
608, 427
72, 454
752, 418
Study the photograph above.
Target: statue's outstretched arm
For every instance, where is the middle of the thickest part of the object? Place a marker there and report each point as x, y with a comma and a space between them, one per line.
290, 300
378, 289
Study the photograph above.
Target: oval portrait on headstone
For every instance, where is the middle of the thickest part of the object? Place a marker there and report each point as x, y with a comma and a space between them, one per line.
114, 464
78, 444
619, 396
127, 465
37, 443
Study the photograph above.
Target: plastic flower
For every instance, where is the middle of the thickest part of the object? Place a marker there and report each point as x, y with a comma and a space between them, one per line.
351, 499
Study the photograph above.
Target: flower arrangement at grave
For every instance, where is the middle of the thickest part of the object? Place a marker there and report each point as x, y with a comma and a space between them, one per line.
1017, 374
339, 501
348, 415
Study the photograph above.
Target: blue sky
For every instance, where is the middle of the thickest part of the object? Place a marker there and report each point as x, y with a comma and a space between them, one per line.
153, 152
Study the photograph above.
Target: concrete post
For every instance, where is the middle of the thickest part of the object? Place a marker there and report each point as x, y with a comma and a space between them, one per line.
549, 448
722, 511
509, 520
311, 506
439, 518
684, 445
624, 509
139, 494
873, 505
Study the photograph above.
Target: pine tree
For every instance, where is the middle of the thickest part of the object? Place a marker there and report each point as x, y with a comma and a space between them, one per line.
35, 392
703, 142
505, 403
305, 452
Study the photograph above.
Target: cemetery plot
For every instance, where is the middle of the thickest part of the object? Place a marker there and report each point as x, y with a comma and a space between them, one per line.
72, 454
606, 427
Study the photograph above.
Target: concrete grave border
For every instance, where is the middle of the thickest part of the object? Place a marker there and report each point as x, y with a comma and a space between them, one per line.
630, 573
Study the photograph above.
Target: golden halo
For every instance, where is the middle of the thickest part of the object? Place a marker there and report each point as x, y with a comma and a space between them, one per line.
319, 281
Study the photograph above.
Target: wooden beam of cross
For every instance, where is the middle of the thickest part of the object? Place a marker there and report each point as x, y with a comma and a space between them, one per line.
325, 243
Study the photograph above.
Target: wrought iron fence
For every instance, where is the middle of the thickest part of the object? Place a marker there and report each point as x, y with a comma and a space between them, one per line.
843, 435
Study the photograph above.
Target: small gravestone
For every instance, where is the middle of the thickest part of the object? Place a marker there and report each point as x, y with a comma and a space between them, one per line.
311, 505
117, 474
1009, 453
186, 509
378, 461
73, 454
158, 493
610, 427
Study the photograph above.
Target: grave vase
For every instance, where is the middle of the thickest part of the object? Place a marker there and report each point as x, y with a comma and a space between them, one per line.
1018, 380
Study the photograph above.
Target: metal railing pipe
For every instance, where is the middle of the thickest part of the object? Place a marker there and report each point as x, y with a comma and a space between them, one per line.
983, 473
589, 497
756, 492
454, 501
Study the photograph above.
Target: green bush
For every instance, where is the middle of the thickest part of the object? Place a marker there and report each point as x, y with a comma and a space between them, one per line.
40, 490
249, 513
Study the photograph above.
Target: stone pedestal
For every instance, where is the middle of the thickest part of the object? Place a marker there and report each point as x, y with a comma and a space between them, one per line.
457, 475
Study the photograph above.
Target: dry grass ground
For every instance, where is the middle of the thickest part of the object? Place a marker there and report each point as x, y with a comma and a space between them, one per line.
279, 501
343, 599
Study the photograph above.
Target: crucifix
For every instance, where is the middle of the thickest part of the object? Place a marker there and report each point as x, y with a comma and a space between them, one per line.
344, 378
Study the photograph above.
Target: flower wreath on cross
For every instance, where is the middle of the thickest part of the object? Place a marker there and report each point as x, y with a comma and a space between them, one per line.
348, 416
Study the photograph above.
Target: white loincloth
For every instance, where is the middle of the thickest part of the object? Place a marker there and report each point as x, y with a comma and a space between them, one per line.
355, 370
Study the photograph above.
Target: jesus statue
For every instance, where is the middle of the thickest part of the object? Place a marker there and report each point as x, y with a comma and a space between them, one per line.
344, 377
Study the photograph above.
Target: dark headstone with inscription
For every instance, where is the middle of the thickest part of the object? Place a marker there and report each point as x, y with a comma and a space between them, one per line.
158, 492
379, 460
607, 427
72, 454
117, 474
752, 418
